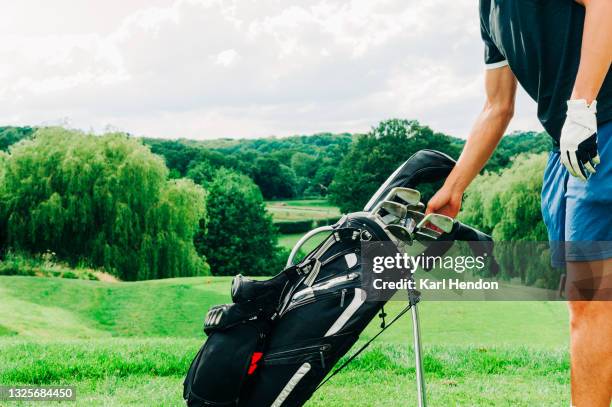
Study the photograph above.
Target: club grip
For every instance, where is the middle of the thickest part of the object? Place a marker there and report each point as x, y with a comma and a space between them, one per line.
480, 243
469, 234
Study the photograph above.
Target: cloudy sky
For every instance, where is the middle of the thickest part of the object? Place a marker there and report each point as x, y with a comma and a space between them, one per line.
243, 68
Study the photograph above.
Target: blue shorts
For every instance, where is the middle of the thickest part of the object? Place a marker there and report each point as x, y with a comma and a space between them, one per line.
577, 214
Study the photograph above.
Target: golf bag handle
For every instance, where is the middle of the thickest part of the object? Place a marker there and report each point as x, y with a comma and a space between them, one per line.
425, 166
479, 242
303, 240
467, 233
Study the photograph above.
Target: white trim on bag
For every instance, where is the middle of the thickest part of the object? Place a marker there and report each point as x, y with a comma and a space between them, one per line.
351, 260
358, 300
295, 379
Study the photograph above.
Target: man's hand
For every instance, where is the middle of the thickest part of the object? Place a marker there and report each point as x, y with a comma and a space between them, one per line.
578, 142
445, 202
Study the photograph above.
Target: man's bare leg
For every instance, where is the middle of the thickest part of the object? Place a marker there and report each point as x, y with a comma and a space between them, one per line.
589, 288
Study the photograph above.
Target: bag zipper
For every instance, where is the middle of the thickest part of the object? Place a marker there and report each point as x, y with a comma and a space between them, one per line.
306, 350
335, 281
309, 294
310, 300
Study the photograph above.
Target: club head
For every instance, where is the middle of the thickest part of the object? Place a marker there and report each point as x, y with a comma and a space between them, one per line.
394, 208
408, 195
419, 207
416, 215
402, 233
442, 222
409, 223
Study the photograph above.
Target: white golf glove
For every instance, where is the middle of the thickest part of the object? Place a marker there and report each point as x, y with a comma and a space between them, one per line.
578, 142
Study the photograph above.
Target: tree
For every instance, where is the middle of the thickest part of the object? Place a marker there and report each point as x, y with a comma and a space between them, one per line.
103, 200
3, 157
240, 237
304, 165
517, 143
507, 205
177, 155
3, 215
274, 179
202, 172
374, 156
12, 135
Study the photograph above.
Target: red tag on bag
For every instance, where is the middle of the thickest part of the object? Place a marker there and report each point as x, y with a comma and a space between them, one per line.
254, 359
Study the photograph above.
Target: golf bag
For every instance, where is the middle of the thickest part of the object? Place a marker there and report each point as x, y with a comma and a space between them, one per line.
279, 339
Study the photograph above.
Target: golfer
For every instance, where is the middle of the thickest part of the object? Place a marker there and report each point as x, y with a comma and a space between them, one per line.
560, 52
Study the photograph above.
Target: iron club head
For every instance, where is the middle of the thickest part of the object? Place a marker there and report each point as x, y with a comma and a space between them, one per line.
442, 222
394, 208
408, 195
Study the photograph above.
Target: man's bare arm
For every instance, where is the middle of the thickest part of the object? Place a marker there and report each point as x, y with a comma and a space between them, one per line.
596, 52
500, 86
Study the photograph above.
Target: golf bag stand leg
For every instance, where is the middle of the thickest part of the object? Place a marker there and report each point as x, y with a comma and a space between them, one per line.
416, 332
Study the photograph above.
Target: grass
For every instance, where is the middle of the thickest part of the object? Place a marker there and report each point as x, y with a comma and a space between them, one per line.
35, 307
288, 241
301, 209
45, 265
130, 344
125, 371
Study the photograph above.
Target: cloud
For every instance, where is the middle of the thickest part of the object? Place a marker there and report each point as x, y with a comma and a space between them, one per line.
247, 68
227, 57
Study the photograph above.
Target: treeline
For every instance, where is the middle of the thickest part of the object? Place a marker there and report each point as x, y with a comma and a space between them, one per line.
288, 167
374, 156
151, 208
306, 166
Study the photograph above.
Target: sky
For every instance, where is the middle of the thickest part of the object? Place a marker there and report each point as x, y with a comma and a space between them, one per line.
247, 68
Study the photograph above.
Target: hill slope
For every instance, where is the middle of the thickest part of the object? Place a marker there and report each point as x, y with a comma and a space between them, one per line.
62, 308
125, 344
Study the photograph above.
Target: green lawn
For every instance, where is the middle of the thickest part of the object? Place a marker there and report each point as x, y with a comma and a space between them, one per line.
130, 344
301, 209
289, 241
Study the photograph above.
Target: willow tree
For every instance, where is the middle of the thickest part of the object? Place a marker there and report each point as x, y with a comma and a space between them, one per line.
3, 157
508, 206
105, 200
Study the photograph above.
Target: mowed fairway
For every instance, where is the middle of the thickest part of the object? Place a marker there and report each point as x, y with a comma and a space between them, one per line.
301, 209
131, 343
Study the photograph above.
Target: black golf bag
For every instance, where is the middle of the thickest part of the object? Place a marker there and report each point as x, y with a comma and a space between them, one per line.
280, 337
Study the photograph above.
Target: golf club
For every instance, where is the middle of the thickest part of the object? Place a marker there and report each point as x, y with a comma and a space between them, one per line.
408, 195
442, 222
396, 209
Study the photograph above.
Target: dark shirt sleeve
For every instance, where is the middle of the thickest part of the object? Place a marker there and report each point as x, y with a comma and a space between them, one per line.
493, 57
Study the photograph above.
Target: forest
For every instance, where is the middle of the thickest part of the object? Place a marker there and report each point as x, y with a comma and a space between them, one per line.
142, 208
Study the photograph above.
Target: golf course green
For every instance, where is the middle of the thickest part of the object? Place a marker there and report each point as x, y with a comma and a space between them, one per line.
131, 343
